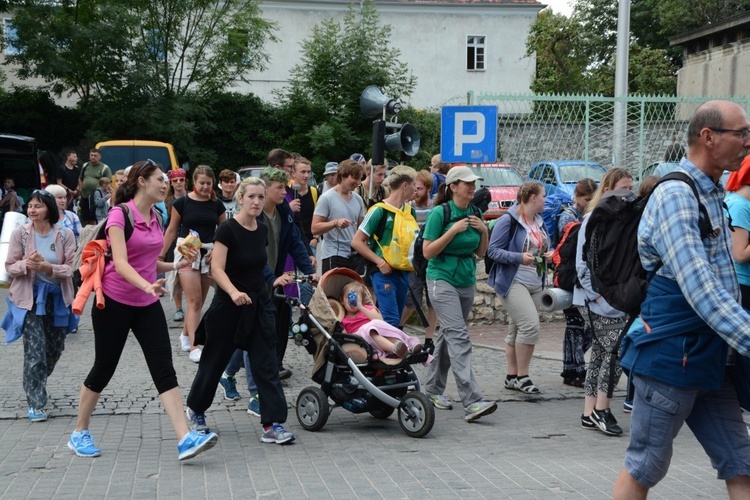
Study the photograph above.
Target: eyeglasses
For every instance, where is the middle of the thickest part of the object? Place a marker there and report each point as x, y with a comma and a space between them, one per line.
744, 133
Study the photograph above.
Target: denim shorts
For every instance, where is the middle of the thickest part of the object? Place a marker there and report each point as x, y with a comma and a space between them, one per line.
659, 410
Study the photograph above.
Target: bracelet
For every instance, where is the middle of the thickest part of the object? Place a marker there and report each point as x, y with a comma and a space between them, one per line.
161, 258
382, 263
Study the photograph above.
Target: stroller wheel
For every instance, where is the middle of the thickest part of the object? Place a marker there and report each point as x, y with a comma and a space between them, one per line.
416, 415
312, 408
382, 413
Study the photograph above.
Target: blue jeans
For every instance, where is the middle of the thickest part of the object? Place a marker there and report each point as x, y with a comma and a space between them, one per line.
234, 366
391, 291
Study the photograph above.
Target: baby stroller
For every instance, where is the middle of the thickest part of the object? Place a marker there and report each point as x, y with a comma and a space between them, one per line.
346, 371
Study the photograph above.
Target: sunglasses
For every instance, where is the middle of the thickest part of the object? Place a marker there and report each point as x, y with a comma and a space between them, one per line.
147, 163
42, 192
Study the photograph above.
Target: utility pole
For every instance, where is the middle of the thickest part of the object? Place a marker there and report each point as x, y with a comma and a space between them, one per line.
620, 125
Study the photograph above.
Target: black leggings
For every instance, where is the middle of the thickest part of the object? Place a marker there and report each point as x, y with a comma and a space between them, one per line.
111, 327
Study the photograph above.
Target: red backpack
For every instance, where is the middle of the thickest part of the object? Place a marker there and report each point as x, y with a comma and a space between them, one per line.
564, 258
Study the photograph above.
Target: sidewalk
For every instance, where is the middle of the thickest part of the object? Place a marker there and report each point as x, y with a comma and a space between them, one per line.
532, 447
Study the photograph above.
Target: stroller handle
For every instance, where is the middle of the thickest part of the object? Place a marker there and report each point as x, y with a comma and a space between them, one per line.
298, 278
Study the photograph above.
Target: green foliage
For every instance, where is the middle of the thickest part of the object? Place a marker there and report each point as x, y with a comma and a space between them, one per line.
32, 112
577, 54
561, 64
320, 108
113, 49
76, 47
677, 16
201, 46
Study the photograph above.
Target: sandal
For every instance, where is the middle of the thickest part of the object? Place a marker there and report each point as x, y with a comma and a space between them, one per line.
510, 383
525, 385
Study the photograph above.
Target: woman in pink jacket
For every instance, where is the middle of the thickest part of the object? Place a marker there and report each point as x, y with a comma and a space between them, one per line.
39, 262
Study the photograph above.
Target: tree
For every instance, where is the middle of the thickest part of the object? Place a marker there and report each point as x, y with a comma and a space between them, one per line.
199, 46
158, 48
577, 54
321, 103
74, 46
560, 64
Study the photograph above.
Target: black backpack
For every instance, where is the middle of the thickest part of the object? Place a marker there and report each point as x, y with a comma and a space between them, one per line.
611, 248
564, 258
418, 260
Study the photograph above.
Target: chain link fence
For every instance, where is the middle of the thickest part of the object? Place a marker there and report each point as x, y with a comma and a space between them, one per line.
533, 128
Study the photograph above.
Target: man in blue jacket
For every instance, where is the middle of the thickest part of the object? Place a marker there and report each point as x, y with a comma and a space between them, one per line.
692, 324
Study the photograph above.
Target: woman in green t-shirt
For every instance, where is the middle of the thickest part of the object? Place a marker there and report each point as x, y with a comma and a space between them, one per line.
451, 274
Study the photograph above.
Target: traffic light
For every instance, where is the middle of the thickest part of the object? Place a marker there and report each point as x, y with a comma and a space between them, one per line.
375, 104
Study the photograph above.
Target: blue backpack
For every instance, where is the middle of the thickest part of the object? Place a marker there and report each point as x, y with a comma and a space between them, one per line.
437, 179
553, 207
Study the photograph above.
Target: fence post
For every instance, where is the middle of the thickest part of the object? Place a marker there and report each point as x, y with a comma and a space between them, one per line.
588, 131
641, 135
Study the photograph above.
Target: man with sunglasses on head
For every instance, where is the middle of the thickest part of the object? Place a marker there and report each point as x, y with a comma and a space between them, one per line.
88, 181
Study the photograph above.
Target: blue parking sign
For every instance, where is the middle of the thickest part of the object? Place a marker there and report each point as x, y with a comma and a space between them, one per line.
468, 134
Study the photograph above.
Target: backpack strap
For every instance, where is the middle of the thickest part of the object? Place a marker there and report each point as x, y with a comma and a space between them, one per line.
129, 221
704, 221
380, 228
314, 194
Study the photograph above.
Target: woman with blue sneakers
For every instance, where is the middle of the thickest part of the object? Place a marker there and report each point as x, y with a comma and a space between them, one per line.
131, 292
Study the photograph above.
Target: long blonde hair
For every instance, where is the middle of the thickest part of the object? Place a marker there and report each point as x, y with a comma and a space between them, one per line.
608, 183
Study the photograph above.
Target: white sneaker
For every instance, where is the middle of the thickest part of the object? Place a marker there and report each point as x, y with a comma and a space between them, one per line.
195, 355
184, 343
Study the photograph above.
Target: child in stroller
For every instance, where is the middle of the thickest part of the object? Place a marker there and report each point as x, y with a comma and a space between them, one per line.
348, 368
363, 319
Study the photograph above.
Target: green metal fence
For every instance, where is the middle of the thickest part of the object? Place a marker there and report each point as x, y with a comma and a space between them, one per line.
533, 128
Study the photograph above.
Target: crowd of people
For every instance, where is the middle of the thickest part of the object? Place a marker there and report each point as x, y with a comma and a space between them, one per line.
257, 234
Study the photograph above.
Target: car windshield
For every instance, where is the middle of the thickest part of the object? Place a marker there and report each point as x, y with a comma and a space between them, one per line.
496, 177
574, 173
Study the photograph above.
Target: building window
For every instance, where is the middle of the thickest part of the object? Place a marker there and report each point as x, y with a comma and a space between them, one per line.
475, 53
239, 46
10, 37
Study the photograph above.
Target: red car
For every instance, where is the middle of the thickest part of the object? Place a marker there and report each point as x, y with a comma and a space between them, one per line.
503, 181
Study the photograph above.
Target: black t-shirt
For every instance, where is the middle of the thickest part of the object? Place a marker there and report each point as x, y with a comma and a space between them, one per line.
200, 216
69, 176
246, 254
305, 214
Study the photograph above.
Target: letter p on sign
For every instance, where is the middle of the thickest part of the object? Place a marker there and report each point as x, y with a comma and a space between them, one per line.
469, 134
469, 130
